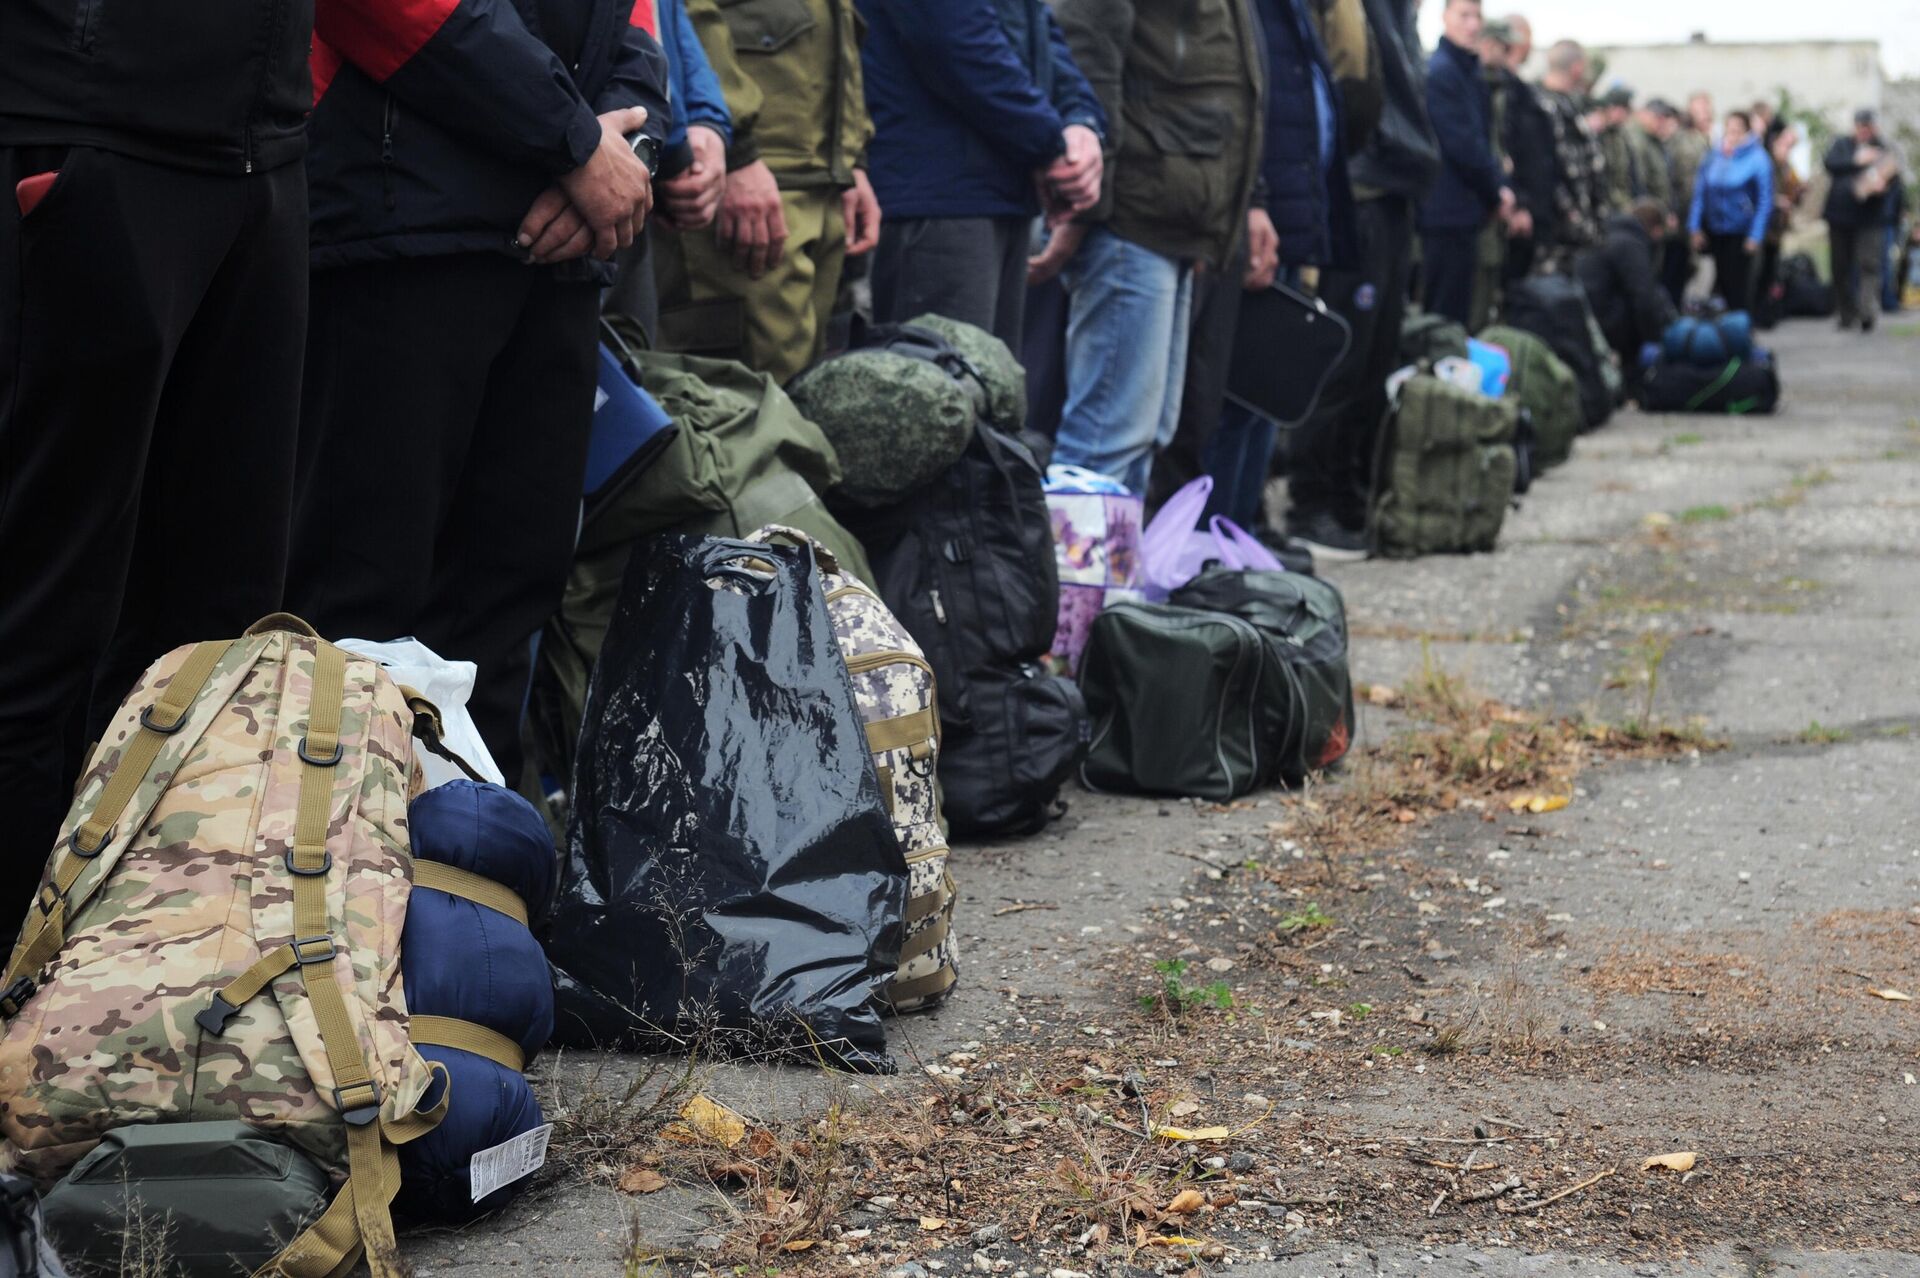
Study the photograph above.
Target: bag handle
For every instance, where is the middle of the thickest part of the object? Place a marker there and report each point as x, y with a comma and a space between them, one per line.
431, 731
281, 621
1235, 540
829, 562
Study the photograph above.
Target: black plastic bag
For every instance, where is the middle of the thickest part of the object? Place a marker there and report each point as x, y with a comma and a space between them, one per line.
731, 869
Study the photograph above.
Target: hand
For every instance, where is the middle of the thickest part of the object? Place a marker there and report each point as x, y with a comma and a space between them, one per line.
1751, 247
554, 230
1520, 225
1507, 203
751, 219
613, 190
1263, 251
692, 196
1061, 247
861, 213
1075, 177
1699, 242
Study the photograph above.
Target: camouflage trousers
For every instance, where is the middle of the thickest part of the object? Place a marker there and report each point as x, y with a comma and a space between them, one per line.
775, 324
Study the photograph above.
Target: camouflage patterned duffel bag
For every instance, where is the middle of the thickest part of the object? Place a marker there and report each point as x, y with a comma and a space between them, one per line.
893, 689
217, 935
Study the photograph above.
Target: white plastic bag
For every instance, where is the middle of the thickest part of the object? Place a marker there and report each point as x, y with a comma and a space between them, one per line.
448, 684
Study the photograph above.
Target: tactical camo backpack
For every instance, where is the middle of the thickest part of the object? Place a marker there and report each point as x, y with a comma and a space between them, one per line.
893, 687
217, 935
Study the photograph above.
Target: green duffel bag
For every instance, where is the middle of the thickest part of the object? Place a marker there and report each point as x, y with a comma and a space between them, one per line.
1175, 699
1446, 472
1426, 338
1542, 384
1307, 703
744, 458
196, 1200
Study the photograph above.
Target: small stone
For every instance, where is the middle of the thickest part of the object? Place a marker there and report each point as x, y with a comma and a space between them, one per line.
908, 1270
1241, 1162
1133, 1083
982, 1262
987, 1235
710, 1242
1215, 1164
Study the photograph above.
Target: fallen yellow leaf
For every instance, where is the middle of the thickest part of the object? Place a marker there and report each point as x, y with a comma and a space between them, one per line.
1381, 695
641, 1180
1682, 1161
1172, 1240
798, 1244
1186, 1202
1548, 803
1892, 995
1191, 1133
707, 1122
932, 1223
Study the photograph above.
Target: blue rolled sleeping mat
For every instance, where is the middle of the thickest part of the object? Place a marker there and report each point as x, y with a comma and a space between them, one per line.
477, 983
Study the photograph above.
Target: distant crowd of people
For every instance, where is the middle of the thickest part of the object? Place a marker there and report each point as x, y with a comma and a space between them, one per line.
309, 317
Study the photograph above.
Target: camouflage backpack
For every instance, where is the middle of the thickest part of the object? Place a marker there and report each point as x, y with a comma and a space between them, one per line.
1447, 470
893, 687
1546, 387
217, 934
901, 408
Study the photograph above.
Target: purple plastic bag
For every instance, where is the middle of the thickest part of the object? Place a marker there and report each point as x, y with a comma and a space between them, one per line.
1173, 551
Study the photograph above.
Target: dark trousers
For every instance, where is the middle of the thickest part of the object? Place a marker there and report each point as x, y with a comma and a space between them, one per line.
1676, 268
973, 269
1732, 270
150, 338
1857, 255
443, 442
1447, 263
1330, 461
1213, 322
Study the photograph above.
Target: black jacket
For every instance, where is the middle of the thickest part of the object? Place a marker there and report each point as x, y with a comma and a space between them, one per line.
1526, 133
218, 86
438, 122
1402, 158
1626, 295
1843, 210
1467, 191
1311, 207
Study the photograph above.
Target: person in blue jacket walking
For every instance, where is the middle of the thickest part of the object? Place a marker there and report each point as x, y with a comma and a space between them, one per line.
980, 118
1732, 200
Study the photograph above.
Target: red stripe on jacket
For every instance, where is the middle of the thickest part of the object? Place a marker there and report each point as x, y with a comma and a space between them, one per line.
643, 17
380, 36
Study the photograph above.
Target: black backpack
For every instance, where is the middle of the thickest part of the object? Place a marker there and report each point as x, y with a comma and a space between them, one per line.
967, 565
1554, 308
1741, 386
1802, 292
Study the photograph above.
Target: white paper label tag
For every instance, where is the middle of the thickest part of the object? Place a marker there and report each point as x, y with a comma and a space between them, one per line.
507, 1162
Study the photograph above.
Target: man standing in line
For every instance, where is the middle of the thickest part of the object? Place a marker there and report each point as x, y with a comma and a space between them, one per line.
1523, 138
980, 116
461, 219
1576, 221
1179, 180
1687, 148
760, 284
1328, 467
1472, 187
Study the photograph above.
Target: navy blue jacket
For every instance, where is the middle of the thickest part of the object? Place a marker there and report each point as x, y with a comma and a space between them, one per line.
437, 136
1311, 207
1468, 188
968, 98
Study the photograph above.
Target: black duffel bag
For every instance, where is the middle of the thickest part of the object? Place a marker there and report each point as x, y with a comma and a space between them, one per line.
1739, 387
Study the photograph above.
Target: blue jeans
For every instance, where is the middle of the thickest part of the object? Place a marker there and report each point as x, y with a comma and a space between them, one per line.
1127, 315
1237, 457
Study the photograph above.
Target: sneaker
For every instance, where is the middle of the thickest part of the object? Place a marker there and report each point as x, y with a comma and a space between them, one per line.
1292, 554
1866, 325
1330, 540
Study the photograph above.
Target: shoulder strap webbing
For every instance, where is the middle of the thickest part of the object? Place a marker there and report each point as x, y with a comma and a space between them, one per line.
914, 728
45, 929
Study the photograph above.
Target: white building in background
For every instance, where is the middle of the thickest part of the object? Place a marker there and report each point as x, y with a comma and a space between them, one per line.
1835, 77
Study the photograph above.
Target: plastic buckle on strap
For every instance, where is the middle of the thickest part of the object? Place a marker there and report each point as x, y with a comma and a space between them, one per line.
148, 722
213, 1019
326, 864
16, 997
358, 1104
328, 762
303, 958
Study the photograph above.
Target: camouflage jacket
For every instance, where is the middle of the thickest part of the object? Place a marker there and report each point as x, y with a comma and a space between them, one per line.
1577, 219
